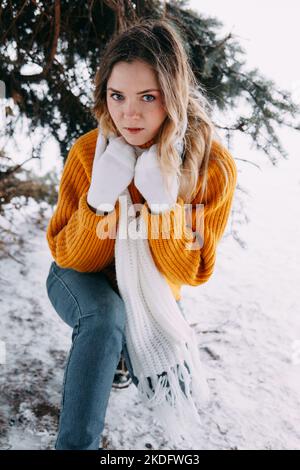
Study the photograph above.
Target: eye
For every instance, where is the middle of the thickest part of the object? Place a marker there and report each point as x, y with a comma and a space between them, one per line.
154, 98
151, 97
113, 94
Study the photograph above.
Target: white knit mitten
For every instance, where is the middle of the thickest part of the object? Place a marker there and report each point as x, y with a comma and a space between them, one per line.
149, 181
113, 170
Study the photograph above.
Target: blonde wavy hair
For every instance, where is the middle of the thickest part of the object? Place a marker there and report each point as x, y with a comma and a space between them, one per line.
159, 44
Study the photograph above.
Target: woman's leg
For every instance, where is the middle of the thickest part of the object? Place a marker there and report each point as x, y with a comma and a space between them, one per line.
88, 304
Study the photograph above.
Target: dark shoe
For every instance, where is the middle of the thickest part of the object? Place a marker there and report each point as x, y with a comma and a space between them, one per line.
122, 377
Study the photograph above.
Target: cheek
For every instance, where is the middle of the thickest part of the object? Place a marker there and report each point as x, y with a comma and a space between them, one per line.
110, 108
162, 104
159, 111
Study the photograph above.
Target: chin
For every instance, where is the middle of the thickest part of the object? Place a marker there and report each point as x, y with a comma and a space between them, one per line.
134, 140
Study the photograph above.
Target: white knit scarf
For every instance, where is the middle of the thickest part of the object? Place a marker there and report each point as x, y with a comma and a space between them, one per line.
163, 348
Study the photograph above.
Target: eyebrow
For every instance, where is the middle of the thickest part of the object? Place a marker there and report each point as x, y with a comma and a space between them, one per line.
138, 93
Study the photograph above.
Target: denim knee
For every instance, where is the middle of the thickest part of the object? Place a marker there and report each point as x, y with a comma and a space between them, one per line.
108, 319
89, 296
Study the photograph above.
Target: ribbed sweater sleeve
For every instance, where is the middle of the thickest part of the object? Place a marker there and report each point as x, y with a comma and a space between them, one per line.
169, 235
73, 230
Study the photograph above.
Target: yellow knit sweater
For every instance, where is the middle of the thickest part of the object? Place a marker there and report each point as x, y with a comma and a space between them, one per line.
73, 227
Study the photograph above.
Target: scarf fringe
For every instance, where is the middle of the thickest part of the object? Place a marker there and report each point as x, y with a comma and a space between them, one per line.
172, 403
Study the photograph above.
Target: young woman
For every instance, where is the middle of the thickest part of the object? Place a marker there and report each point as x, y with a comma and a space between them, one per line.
174, 159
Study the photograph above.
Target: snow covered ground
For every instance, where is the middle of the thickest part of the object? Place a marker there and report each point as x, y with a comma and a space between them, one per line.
247, 319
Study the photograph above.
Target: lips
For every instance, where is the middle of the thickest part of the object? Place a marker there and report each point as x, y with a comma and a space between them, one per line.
134, 128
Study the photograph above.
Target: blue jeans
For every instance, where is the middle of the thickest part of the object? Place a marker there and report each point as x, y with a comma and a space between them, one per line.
96, 313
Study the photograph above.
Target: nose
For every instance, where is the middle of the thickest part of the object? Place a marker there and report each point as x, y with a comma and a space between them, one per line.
131, 109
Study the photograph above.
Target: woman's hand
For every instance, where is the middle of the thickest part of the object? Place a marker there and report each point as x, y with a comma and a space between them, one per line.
113, 170
149, 181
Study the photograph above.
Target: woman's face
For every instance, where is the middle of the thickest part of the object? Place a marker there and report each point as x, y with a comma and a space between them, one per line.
128, 107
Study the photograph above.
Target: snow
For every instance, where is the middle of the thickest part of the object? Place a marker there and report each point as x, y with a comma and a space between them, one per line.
246, 317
